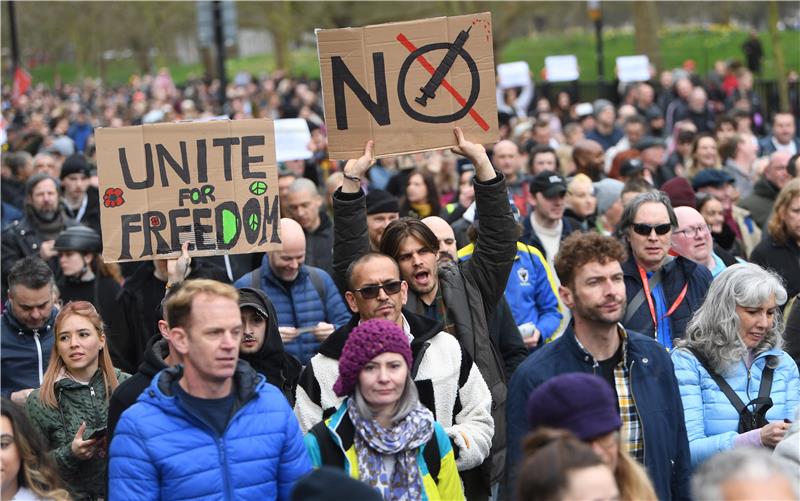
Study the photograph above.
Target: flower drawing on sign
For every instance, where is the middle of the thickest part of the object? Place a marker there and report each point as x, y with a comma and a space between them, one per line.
113, 197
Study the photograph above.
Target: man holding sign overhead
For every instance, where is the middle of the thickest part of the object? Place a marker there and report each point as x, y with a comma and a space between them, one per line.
460, 296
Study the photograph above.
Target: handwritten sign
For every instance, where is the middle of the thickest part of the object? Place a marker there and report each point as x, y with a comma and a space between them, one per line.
214, 184
407, 85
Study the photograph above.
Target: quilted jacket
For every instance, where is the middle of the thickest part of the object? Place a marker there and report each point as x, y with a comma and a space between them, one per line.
161, 451
300, 305
78, 403
711, 420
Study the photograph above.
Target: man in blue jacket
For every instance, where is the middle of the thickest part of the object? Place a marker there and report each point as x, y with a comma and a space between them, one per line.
211, 428
27, 328
636, 367
308, 303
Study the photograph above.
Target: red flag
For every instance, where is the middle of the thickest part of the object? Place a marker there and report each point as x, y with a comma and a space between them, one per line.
22, 80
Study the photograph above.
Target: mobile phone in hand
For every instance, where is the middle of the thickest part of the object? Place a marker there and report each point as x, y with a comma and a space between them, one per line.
98, 433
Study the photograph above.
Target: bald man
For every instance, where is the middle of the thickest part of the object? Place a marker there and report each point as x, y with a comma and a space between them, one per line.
692, 240
446, 236
589, 158
307, 302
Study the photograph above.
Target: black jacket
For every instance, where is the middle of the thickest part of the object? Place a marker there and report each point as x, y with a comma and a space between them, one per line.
319, 245
760, 201
127, 392
784, 259
21, 239
530, 237
140, 301
91, 217
280, 368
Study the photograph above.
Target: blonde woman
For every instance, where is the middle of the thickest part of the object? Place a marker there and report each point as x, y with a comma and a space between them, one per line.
71, 407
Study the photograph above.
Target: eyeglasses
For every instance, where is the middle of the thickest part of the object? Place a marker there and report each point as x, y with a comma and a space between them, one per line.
372, 291
646, 229
693, 231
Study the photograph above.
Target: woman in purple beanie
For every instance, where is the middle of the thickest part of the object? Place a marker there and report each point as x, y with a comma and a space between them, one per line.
585, 405
381, 434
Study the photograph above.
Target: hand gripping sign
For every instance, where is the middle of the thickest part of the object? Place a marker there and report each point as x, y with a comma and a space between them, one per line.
406, 85
213, 183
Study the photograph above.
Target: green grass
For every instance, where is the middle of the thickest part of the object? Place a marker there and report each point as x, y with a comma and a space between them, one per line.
677, 45
704, 47
304, 62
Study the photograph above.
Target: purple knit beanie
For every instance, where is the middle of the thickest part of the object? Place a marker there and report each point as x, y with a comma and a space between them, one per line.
584, 404
368, 340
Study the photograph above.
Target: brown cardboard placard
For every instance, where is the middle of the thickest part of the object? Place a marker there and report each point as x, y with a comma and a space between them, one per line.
213, 183
375, 80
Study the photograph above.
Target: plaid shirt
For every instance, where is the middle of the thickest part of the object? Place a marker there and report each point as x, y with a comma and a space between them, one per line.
631, 431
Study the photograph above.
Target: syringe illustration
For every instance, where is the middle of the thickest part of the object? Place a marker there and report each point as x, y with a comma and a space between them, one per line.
429, 91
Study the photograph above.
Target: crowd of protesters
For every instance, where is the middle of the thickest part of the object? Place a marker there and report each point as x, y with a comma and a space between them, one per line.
600, 305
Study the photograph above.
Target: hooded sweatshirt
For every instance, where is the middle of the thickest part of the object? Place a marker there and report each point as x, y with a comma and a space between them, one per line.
26, 352
280, 368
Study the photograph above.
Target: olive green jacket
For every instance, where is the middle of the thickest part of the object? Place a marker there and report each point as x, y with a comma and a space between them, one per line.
77, 403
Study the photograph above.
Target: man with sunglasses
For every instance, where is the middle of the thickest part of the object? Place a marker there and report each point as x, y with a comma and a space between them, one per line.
447, 380
464, 296
662, 290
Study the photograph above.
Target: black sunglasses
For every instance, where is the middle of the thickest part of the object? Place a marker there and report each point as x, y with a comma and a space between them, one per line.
372, 291
645, 229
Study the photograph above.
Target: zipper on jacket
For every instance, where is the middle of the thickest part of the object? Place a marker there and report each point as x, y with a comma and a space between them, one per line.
223, 460
39, 352
638, 414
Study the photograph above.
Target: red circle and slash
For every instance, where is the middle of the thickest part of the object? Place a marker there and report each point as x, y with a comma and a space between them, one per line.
429, 67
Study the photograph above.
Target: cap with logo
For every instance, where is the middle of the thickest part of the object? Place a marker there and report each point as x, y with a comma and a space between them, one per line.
548, 183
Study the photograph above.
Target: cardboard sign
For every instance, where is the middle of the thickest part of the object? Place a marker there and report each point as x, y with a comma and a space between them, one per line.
214, 184
516, 74
633, 68
291, 139
561, 68
407, 85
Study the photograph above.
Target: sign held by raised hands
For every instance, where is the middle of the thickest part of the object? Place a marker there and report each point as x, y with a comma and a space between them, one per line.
213, 184
406, 85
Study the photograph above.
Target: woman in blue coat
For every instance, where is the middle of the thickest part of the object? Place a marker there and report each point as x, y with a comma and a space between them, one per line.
737, 335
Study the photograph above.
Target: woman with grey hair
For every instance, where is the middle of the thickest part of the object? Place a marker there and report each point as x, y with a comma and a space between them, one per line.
737, 386
381, 434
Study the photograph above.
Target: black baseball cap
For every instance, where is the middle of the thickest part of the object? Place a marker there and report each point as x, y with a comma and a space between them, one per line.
548, 183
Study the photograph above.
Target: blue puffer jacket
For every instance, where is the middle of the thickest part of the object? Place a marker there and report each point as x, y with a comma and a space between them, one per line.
161, 451
711, 420
655, 393
301, 306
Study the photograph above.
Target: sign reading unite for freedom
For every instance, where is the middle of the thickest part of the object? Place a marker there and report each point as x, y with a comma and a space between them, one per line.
213, 184
406, 85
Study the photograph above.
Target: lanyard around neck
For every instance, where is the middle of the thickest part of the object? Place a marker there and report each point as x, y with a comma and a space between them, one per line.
671, 310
